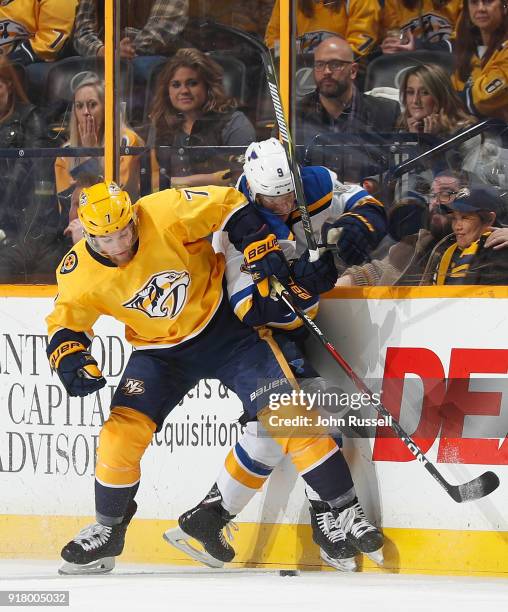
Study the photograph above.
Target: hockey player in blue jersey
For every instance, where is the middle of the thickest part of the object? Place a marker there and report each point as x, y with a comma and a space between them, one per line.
340, 527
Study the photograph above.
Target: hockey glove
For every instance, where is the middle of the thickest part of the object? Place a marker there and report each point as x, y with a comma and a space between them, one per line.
264, 258
355, 241
77, 369
317, 276
23, 54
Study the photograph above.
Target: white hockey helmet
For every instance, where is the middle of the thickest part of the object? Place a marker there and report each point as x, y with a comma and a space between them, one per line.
266, 169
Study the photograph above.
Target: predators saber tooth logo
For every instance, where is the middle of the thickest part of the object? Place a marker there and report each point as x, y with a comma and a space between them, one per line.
164, 295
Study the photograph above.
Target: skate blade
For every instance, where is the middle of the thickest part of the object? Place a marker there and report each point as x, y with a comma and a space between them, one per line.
343, 565
179, 539
376, 556
101, 566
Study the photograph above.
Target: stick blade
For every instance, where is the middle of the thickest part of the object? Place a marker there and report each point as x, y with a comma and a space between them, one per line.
475, 489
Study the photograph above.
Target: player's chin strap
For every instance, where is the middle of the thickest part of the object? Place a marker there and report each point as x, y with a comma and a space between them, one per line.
474, 489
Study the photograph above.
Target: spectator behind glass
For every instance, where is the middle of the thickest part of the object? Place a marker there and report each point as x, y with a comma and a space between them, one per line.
406, 260
35, 30
481, 57
153, 27
86, 129
337, 105
407, 25
431, 107
21, 127
249, 15
355, 20
462, 258
429, 103
191, 108
150, 30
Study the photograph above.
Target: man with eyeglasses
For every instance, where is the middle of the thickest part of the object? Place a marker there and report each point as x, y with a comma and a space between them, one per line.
407, 259
337, 105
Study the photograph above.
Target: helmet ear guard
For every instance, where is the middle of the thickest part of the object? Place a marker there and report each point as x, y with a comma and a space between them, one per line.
267, 169
104, 209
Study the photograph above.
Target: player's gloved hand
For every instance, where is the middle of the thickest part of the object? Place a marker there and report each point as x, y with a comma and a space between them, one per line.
316, 276
77, 369
23, 54
264, 258
355, 240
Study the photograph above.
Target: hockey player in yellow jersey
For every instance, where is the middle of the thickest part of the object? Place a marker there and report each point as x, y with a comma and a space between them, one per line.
151, 267
35, 30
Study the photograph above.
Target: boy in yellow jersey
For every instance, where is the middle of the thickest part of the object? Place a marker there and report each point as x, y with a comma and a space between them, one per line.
151, 267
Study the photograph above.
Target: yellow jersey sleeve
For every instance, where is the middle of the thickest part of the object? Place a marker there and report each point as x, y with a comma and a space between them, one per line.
362, 25
55, 20
72, 309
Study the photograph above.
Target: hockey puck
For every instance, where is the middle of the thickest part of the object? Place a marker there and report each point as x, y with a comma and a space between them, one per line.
287, 572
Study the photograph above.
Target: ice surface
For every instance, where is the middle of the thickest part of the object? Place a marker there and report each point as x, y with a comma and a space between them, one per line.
155, 587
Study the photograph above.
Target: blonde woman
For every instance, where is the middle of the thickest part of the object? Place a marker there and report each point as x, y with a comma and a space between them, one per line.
86, 129
429, 103
431, 106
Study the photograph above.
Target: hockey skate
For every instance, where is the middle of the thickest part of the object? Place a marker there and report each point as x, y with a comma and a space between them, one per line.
327, 533
94, 549
205, 523
360, 532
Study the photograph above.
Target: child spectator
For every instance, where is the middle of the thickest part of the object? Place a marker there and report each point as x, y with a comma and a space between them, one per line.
462, 258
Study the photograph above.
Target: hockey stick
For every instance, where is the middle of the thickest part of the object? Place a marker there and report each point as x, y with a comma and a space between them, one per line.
285, 135
474, 489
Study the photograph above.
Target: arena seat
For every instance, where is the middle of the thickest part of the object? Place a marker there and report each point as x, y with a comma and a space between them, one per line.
386, 70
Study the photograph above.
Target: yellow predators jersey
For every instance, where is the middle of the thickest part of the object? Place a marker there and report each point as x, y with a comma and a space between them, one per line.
172, 286
356, 20
486, 91
46, 23
427, 22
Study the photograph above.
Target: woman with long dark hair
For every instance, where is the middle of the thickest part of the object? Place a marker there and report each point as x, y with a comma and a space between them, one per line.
192, 108
481, 57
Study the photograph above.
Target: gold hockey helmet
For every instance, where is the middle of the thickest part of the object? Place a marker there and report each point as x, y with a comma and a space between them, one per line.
103, 209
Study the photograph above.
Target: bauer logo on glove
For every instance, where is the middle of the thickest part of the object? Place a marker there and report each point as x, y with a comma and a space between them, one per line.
259, 249
264, 258
77, 369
